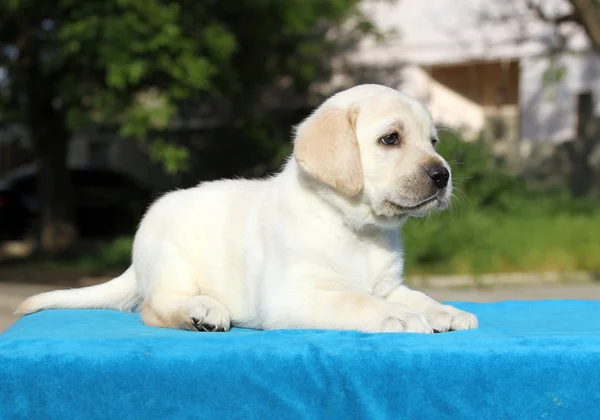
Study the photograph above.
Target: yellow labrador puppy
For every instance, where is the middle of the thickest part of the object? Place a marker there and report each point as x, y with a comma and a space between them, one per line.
317, 246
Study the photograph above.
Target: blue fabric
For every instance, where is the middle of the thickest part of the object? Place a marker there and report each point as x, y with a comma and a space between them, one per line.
538, 360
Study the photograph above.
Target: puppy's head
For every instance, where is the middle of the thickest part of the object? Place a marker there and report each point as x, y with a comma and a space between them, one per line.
376, 147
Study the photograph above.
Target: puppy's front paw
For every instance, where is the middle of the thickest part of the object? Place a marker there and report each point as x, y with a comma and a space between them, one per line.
464, 321
448, 318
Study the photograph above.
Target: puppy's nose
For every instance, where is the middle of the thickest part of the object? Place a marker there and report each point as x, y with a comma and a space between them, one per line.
439, 175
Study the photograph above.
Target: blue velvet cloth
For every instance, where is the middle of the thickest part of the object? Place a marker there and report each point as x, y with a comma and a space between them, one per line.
538, 360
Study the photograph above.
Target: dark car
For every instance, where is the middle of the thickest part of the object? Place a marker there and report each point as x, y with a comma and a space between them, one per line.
106, 203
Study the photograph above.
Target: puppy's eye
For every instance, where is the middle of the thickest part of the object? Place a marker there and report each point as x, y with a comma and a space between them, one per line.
434, 141
389, 139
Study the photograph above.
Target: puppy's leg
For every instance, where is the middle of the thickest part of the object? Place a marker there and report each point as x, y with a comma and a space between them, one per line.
441, 317
341, 310
172, 296
195, 313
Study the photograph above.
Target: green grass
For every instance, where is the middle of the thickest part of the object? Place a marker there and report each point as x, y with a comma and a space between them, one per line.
480, 242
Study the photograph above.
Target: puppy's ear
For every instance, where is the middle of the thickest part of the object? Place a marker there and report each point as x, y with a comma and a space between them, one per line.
326, 148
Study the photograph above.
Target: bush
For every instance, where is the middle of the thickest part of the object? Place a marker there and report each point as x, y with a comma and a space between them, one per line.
115, 254
497, 223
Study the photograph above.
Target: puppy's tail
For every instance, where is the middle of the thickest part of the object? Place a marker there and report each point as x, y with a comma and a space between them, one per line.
120, 294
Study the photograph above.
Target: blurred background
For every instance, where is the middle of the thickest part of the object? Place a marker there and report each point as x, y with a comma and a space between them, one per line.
104, 105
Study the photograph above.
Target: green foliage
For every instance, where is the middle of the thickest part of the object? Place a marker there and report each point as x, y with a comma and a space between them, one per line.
113, 255
554, 73
174, 157
133, 64
475, 174
498, 224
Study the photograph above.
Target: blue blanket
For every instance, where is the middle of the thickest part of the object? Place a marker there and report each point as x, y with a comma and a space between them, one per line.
527, 360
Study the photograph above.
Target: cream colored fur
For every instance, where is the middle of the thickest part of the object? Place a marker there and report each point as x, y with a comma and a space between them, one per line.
316, 246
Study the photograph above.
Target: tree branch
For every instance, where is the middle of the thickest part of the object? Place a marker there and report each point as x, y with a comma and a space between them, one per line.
569, 17
536, 8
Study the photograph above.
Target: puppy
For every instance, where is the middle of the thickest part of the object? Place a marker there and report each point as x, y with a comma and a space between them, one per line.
316, 246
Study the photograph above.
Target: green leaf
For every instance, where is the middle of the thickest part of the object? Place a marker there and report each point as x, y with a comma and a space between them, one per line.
175, 158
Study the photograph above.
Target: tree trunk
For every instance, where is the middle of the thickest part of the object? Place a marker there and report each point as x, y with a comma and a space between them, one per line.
588, 14
50, 137
58, 232
582, 177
